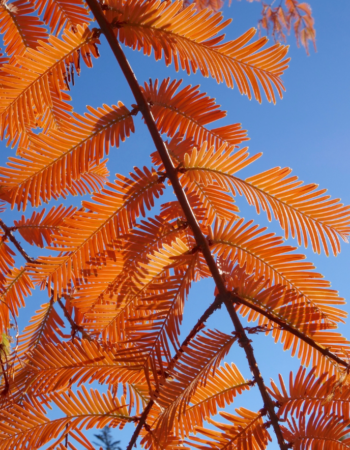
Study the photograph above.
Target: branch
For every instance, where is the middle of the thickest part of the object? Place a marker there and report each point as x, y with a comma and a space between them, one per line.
283, 325
74, 326
9, 234
199, 325
219, 300
141, 423
29, 259
190, 217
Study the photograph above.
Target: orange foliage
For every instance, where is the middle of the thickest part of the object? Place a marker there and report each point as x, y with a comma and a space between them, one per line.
118, 280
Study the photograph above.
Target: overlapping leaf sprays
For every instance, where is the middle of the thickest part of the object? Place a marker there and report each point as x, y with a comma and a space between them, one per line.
120, 280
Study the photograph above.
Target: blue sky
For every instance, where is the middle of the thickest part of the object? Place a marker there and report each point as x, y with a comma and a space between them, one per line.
309, 131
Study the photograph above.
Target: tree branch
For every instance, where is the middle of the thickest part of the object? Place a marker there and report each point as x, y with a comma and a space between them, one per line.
141, 423
191, 219
75, 327
290, 329
15, 242
199, 325
29, 259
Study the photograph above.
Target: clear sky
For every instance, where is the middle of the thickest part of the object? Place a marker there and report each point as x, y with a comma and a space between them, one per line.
309, 131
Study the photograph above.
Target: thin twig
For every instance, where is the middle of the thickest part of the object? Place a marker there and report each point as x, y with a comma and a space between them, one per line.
75, 327
199, 325
141, 423
284, 326
15, 242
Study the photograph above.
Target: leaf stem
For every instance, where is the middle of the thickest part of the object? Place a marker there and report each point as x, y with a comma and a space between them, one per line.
191, 219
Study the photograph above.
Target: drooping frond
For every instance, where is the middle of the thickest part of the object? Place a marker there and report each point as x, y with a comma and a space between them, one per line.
26, 87
197, 364
217, 202
280, 19
58, 14
46, 169
110, 316
284, 313
302, 209
90, 182
210, 165
38, 229
55, 367
17, 286
264, 255
245, 431
191, 40
146, 238
159, 311
6, 256
308, 393
321, 432
218, 392
21, 29
187, 112
91, 230
83, 409
45, 328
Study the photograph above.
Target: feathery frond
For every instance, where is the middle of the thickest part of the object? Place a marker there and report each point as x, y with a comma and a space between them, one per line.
37, 228
191, 40
187, 112
218, 392
83, 409
308, 393
6, 256
302, 209
45, 328
17, 286
288, 306
197, 364
89, 232
319, 431
46, 168
110, 316
27, 87
60, 14
265, 255
21, 29
244, 431
57, 367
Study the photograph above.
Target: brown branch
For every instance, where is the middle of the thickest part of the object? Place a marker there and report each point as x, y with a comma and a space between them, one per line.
283, 325
15, 242
29, 259
219, 299
75, 327
199, 325
141, 423
190, 217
